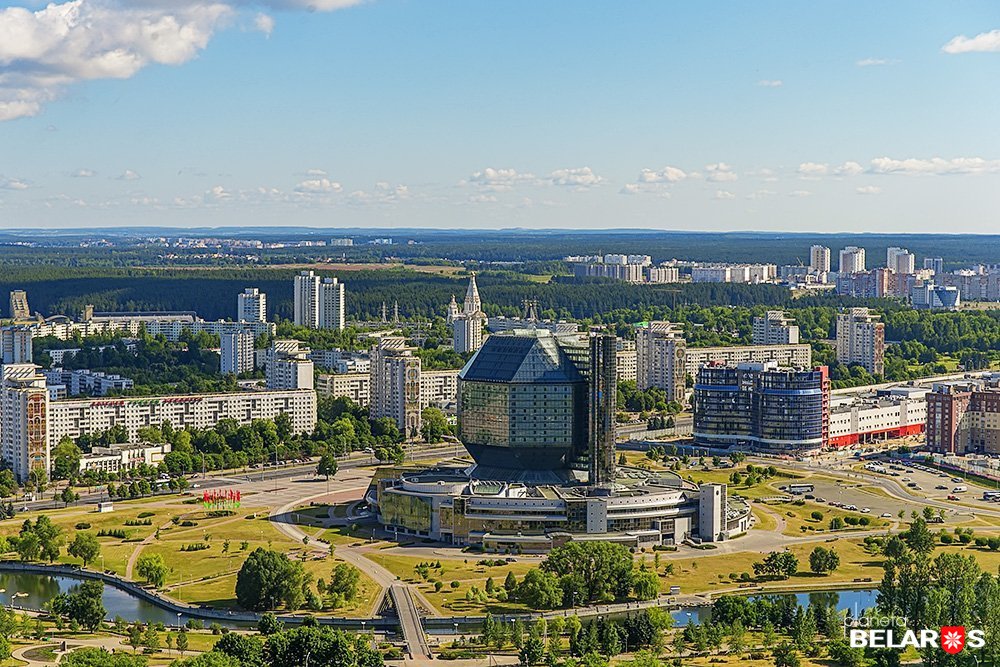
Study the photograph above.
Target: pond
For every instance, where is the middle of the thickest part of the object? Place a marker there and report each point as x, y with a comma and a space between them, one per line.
33, 591
856, 601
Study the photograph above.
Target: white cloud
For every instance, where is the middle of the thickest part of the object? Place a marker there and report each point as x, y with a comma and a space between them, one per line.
800, 193
875, 62
128, 175
849, 168
84, 173
771, 83
12, 184
578, 177
482, 199
868, 190
219, 193
724, 194
318, 185
984, 42
498, 180
43, 52
935, 165
720, 172
813, 170
666, 175
761, 194
318, 173
264, 23
383, 193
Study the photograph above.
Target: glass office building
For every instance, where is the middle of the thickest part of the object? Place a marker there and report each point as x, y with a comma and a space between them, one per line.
762, 407
523, 401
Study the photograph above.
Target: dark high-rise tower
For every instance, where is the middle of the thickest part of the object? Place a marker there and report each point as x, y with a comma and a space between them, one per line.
603, 399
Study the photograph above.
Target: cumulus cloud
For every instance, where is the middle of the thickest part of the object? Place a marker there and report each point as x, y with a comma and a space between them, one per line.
720, 172
84, 173
318, 185
868, 190
771, 83
849, 168
984, 42
43, 52
761, 194
579, 177
12, 183
264, 23
935, 166
128, 175
812, 170
383, 193
498, 180
666, 175
724, 194
483, 199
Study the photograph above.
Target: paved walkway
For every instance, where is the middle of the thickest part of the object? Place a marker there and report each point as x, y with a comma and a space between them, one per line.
109, 643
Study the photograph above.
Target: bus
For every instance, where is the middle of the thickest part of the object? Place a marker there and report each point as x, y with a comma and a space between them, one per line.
992, 496
800, 488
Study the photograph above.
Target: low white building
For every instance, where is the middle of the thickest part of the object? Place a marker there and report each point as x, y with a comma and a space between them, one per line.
115, 458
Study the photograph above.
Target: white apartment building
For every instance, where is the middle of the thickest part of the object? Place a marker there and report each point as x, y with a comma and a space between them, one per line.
856, 419
861, 339
289, 367
355, 386
236, 353
115, 458
395, 384
318, 302
775, 328
900, 260
15, 345
660, 358
251, 306
92, 383
169, 325
662, 274
819, 259
439, 389
734, 273
24, 411
331, 304
625, 361
785, 356
852, 260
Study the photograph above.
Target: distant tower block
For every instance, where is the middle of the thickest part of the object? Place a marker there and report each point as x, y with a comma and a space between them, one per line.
530, 310
19, 309
603, 399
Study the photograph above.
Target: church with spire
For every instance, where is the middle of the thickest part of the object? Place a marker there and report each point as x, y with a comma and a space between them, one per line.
468, 324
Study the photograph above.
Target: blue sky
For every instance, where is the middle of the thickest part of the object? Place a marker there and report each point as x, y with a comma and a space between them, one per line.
701, 115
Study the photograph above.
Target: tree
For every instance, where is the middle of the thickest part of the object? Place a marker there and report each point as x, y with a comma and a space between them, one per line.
90, 656
327, 465
85, 547
540, 590
532, 651
777, 565
182, 641
82, 605
269, 624
823, 560
343, 584
434, 425
591, 570
212, 658
69, 496
269, 579
836, 523
645, 585
65, 459
50, 537
843, 654
28, 546
918, 537
153, 569
151, 638
248, 650
785, 656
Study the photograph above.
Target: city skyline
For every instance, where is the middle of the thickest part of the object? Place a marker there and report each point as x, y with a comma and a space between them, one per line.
388, 114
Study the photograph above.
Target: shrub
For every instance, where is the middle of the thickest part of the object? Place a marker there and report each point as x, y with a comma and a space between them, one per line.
119, 533
83, 525
195, 546
144, 515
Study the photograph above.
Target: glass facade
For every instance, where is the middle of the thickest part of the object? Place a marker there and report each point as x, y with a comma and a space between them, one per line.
523, 402
754, 407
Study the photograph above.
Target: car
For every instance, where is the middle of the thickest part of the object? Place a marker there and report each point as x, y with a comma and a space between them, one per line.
956, 479
810, 496
912, 485
943, 474
820, 500
941, 487
952, 496
865, 510
852, 508
906, 479
885, 515
916, 488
